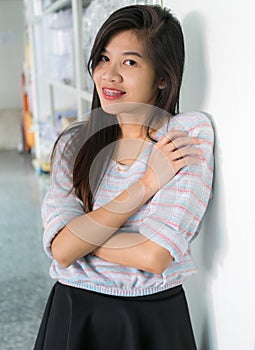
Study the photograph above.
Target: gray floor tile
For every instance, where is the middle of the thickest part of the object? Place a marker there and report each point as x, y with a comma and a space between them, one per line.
24, 266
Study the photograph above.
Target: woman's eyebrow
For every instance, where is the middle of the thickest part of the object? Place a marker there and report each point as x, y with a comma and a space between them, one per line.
126, 53
132, 53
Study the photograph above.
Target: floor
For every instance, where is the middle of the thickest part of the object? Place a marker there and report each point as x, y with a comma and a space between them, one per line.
24, 266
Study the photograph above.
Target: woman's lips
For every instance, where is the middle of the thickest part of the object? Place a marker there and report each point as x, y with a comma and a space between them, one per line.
112, 94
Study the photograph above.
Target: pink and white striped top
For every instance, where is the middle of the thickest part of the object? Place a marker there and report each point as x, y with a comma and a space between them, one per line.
171, 218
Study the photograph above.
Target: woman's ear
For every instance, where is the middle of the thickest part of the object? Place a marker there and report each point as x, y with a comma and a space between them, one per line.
162, 84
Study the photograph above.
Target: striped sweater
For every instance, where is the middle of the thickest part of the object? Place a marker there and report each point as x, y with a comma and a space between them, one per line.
171, 218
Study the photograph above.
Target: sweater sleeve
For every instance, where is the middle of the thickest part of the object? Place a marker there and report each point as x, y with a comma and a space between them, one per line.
176, 210
60, 204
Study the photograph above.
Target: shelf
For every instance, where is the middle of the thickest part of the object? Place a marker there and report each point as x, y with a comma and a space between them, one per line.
56, 83
48, 94
56, 6
86, 95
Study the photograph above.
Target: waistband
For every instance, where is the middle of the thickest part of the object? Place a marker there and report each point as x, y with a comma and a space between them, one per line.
157, 296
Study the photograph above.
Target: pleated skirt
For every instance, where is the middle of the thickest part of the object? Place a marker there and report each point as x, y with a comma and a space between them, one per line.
77, 319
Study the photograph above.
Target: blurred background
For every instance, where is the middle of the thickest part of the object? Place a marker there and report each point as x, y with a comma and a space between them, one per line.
44, 87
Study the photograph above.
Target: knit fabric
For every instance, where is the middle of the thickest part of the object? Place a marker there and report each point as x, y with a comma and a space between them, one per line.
171, 218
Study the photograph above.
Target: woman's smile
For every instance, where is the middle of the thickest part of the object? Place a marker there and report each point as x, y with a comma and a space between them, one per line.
112, 94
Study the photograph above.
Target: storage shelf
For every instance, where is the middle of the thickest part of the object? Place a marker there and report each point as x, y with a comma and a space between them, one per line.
56, 83
58, 5
86, 95
50, 95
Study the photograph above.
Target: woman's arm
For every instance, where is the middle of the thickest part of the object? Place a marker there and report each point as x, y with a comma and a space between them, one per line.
135, 250
176, 212
85, 232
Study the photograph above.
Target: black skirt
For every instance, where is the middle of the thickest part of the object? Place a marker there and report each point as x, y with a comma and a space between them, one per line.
77, 319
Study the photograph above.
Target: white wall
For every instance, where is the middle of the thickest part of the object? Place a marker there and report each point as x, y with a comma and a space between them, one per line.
11, 60
220, 80
11, 53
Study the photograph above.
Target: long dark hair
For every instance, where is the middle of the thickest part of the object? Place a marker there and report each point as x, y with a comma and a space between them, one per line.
90, 142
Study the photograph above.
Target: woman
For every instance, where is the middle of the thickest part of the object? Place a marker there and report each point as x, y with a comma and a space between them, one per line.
128, 192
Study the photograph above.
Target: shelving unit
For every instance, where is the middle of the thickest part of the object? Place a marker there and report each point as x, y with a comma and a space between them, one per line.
49, 96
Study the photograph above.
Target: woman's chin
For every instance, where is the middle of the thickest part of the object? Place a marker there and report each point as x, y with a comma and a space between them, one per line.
111, 108
129, 108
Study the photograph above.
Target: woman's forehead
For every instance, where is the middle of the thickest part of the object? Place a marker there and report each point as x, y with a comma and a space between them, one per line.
127, 42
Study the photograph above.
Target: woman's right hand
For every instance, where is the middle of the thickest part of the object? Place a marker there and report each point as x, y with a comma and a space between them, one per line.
172, 152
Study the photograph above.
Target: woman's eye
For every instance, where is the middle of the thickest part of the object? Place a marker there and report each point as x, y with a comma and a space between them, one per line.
104, 58
129, 62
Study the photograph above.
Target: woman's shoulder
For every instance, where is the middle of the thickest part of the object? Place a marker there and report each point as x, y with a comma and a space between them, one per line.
191, 119
68, 144
191, 122
69, 135
194, 123
71, 131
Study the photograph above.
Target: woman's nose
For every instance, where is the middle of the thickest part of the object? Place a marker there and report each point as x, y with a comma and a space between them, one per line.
112, 75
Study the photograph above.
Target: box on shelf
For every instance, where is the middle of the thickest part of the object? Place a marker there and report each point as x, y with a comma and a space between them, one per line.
28, 133
65, 118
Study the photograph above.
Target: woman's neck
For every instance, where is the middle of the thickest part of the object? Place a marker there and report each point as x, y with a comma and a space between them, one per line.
131, 131
132, 127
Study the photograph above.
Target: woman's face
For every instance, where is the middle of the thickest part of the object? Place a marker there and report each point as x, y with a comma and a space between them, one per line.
124, 74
